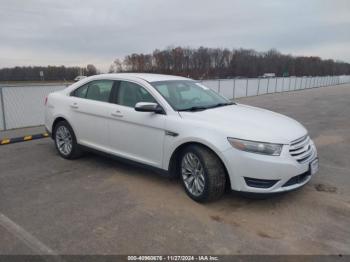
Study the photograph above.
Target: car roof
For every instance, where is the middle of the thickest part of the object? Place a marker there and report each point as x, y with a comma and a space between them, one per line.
145, 76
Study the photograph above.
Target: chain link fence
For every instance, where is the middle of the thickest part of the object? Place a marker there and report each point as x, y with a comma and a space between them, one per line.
23, 105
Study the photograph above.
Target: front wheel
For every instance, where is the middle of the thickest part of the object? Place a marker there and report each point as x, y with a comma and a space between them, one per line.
65, 141
202, 174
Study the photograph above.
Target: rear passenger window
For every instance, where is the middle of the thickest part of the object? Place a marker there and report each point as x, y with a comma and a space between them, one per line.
96, 90
81, 91
99, 90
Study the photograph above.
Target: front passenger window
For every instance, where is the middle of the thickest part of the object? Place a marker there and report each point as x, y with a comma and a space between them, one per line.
130, 93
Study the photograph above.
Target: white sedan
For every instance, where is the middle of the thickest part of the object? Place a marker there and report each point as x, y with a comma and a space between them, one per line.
180, 127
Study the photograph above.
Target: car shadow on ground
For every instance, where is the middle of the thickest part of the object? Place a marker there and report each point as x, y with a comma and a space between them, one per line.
137, 174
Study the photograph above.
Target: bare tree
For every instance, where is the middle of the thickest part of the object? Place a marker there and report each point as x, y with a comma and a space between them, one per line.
206, 62
116, 66
91, 70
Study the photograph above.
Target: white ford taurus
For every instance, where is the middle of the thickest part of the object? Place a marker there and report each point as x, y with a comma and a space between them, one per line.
180, 127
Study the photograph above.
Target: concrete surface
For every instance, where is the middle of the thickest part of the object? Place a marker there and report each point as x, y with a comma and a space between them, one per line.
95, 205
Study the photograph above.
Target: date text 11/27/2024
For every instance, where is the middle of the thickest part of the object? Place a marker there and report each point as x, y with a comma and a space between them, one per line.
174, 258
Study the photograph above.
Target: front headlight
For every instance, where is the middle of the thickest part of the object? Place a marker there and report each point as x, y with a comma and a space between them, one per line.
256, 147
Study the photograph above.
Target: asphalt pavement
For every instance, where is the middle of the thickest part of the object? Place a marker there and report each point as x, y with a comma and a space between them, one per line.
95, 205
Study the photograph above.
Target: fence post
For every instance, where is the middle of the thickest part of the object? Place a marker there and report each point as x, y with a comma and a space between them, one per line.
2, 107
290, 80
234, 89
246, 88
268, 83
258, 87
275, 85
311, 82
219, 87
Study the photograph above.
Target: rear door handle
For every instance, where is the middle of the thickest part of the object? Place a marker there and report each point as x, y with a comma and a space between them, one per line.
74, 105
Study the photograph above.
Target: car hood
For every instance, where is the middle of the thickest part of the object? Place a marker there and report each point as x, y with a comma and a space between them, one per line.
250, 123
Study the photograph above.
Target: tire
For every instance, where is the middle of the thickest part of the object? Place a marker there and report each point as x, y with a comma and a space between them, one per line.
211, 177
61, 129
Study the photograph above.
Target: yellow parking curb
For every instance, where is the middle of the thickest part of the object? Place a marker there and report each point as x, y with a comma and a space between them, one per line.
7, 141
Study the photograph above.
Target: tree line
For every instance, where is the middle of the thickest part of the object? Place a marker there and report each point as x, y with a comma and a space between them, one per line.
204, 63
197, 63
49, 73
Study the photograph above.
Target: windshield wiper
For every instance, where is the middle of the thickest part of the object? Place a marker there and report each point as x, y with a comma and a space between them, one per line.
198, 108
221, 104
194, 108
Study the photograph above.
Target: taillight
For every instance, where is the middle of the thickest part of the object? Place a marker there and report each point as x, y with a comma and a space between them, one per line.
45, 101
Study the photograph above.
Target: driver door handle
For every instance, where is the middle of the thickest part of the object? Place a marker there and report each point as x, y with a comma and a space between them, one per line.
74, 105
117, 114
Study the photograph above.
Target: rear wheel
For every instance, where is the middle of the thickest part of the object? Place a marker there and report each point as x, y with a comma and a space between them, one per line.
202, 174
65, 141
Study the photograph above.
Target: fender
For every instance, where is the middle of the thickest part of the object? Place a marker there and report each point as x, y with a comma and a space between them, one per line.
65, 118
174, 146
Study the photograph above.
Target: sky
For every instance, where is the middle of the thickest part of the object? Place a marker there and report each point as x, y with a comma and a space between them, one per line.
77, 33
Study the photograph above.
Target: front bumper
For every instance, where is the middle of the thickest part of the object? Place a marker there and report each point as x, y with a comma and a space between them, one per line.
285, 171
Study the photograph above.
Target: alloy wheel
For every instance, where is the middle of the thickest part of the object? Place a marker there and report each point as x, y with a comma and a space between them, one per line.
192, 172
64, 140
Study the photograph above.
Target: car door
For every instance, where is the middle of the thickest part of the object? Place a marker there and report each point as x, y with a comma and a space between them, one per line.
136, 135
89, 106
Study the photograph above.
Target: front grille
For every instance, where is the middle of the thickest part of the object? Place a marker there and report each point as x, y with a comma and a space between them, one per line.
297, 179
301, 149
259, 183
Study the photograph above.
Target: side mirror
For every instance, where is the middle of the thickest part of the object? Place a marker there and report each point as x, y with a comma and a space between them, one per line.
149, 107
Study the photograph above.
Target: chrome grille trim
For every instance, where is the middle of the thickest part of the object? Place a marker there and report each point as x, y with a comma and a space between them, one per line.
302, 150
296, 141
295, 152
300, 143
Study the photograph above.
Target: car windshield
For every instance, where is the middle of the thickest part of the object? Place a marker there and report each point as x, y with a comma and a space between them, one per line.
188, 95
